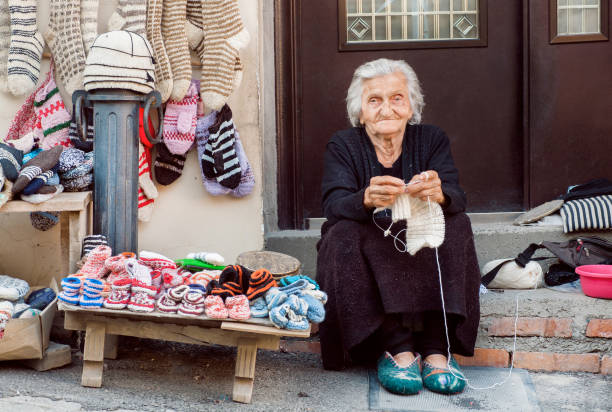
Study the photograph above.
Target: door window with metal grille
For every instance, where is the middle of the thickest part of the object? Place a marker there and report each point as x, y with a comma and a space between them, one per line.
398, 24
578, 20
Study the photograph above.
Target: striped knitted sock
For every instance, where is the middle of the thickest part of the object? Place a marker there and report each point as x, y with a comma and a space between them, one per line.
163, 72
168, 167
89, 23
10, 161
26, 48
130, 15
224, 35
222, 141
174, 19
66, 42
5, 37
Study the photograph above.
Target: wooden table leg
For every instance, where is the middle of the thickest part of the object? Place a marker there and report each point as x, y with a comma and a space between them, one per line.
110, 346
93, 358
245, 370
65, 243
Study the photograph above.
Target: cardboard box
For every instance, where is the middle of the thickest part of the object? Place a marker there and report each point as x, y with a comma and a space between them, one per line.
29, 338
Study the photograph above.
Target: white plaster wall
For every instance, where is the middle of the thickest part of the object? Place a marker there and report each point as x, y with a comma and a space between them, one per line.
186, 217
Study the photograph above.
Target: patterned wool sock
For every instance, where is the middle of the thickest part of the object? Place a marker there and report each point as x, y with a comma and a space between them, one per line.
53, 118
224, 35
168, 167
44, 221
130, 15
180, 120
66, 42
26, 47
163, 72
46, 160
10, 161
175, 40
5, 38
221, 143
89, 23
39, 181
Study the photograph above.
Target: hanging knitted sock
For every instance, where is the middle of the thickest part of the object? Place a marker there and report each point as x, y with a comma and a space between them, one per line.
5, 37
66, 42
222, 141
163, 72
89, 23
10, 161
207, 163
224, 35
130, 15
180, 120
53, 118
175, 40
26, 48
168, 167
147, 192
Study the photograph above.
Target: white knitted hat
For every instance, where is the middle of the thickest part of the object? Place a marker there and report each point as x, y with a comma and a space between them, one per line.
121, 60
424, 222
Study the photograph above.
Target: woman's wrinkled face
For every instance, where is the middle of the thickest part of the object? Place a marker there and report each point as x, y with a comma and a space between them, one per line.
385, 106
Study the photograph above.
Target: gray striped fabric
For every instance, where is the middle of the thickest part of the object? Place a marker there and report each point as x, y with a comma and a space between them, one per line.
5, 37
587, 214
89, 23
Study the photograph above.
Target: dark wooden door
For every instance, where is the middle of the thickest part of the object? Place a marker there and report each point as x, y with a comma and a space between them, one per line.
527, 115
570, 108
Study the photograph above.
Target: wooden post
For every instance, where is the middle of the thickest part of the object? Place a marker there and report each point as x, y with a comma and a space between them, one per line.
110, 346
93, 358
245, 370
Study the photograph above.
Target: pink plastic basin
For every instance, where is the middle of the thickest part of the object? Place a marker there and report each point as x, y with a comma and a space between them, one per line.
596, 280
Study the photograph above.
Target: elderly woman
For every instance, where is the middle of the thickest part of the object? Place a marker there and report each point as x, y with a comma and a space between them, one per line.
383, 303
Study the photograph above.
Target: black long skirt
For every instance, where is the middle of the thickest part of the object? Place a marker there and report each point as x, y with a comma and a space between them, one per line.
366, 278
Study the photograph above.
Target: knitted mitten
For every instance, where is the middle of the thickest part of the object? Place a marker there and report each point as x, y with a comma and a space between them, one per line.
220, 159
208, 257
120, 294
168, 167
94, 265
224, 35
193, 303
26, 48
39, 164
53, 118
260, 282
214, 307
180, 120
10, 161
5, 38
130, 15
89, 23
174, 17
163, 72
238, 307
156, 261
66, 42
142, 298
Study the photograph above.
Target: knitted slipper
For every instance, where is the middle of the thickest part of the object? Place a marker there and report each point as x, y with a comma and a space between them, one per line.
214, 307
156, 261
192, 304
316, 311
143, 297
170, 300
91, 302
138, 271
238, 307
260, 282
259, 308
120, 294
94, 265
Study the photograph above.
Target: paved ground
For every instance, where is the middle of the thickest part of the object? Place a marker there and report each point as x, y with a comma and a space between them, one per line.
156, 376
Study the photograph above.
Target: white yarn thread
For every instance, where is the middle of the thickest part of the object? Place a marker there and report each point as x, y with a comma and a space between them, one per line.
448, 351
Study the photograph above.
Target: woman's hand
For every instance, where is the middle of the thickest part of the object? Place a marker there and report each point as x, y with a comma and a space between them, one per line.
426, 185
382, 191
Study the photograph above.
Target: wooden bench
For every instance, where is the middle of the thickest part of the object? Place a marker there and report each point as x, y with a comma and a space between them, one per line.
102, 326
74, 211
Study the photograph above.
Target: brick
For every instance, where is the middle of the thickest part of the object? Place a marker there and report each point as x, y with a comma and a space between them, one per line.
564, 362
599, 328
486, 357
300, 346
606, 365
547, 327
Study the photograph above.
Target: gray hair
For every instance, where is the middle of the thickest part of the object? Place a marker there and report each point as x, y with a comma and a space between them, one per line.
377, 68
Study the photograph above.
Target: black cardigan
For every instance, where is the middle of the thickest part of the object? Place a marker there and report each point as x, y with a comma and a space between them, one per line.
350, 162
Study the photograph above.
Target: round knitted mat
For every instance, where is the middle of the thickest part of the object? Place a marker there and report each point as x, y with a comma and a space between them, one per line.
278, 264
539, 212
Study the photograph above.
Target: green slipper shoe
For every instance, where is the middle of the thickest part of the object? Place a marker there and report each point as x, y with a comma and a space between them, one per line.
403, 381
441, 380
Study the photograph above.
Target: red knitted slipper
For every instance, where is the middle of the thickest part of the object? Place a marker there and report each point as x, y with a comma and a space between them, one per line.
214, 307
238, 307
